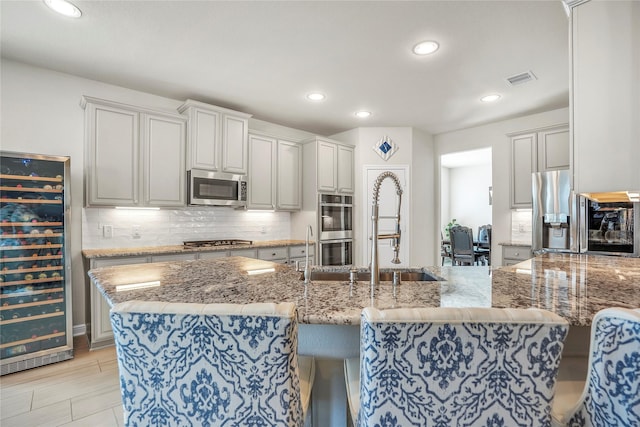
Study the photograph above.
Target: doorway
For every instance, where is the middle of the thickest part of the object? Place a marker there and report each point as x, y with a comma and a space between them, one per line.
388, 203
466, 189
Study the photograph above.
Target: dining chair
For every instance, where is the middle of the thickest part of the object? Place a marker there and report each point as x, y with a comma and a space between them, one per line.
483, 248
611, 394
210, 364
445, 249
455, 367
462, 250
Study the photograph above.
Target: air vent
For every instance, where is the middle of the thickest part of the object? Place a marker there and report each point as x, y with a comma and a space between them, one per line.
521, 78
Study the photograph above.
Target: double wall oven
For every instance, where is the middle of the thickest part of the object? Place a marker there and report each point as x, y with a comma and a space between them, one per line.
335, 225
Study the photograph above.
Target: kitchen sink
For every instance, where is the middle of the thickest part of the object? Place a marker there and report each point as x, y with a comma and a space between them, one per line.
385, 276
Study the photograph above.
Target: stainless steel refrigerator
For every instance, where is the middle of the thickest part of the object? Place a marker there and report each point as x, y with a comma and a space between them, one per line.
555, 222
35, 263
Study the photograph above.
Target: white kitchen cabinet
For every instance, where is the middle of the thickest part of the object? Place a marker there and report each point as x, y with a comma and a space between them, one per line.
522, 165
112, 154
289, 176
330, 165
299, 254
327, 155
100, 332
248, 253
274, 174
274, 254
213, 254
173, 257
345, 169
537, 150
217, 138
134, 156
605, 96
514, 254
554, 150
263, 153
163, 158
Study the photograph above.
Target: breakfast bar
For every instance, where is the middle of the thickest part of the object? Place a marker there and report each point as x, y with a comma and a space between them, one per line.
574, 286
571, 285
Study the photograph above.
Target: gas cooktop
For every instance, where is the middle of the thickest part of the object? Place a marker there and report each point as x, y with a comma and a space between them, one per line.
209, 243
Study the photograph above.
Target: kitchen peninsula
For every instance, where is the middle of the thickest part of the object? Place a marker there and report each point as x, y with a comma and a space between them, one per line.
574, 286
571, 285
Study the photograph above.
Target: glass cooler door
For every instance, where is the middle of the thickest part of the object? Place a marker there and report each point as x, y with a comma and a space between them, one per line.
35, 292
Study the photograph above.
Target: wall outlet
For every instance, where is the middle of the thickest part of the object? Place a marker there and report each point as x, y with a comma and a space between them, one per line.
135, 232
263, 229
521, 228
107, 231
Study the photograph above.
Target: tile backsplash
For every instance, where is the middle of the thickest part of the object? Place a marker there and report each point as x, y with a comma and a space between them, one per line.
521, 226
174, 226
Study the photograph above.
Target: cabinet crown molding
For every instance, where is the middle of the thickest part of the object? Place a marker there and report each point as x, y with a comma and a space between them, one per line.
189, 103
85, 100
323, 139
537, 129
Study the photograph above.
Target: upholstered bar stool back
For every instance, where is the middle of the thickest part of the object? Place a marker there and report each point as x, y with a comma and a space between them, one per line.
456, 367
611, 396
209, 365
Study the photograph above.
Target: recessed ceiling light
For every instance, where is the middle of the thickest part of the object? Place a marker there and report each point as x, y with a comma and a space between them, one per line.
63, 7
426, 47
490, 98
363, 114
316, 96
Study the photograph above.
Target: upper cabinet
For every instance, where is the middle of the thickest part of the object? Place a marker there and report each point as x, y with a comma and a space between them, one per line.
262, 177
217, 138
331, 163
537, 150
274, 174
134, 156
605, 96
289, 176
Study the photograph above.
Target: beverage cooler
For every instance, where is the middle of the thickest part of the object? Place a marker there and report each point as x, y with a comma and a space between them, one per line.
35, 276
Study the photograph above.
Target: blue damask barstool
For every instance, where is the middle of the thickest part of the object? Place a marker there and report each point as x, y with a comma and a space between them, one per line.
455, 367
210, 365
611, 395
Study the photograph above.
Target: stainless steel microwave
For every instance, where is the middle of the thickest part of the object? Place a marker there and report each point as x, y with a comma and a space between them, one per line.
207, 188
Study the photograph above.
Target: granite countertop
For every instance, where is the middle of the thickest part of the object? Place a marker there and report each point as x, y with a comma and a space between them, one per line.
180, 249
574, 286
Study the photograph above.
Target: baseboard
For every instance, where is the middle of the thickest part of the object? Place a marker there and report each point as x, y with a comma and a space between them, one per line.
79, 330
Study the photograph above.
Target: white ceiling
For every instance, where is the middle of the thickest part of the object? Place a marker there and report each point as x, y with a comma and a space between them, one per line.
263, 57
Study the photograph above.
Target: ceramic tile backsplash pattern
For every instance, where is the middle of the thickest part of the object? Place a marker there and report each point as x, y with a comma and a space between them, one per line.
521, 226
174, 226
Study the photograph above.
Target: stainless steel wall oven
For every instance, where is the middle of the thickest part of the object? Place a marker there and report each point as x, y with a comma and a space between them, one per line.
336, 252
335, 225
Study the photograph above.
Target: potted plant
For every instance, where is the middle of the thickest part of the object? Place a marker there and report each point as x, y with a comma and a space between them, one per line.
448, 227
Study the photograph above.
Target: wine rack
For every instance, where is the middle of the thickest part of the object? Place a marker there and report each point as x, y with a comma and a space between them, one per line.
34, 290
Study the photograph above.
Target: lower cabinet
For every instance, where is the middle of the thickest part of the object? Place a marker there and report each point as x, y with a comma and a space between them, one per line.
513, 254
279, 255
100, 332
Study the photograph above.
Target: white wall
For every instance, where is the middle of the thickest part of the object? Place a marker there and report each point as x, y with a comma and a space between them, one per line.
494, 135
415, 149
468, 195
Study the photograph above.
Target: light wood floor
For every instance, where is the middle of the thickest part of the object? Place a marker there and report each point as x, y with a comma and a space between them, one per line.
83, 391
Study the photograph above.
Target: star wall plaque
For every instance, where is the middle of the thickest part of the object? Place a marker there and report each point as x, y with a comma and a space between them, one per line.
385, 148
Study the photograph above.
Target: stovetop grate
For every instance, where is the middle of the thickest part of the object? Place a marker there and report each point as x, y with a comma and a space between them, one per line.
209, 243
